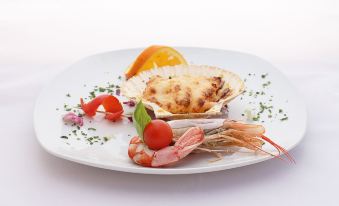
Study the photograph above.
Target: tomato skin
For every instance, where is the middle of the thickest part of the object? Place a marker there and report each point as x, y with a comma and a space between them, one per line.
111, 104
91, 107
158, 134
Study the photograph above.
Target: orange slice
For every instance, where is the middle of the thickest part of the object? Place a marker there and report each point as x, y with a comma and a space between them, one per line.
155, 56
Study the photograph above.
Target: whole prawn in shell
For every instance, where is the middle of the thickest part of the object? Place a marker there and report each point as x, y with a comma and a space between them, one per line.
204, 135
221, 134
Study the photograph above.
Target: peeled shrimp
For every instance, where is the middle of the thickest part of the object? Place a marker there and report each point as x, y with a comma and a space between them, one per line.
184, 145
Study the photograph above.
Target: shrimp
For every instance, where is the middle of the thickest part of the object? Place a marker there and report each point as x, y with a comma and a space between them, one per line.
184, 145
221, 134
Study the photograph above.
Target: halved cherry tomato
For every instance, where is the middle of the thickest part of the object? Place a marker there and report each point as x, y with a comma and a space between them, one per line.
158, 134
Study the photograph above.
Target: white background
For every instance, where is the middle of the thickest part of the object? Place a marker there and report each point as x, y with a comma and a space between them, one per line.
38, 39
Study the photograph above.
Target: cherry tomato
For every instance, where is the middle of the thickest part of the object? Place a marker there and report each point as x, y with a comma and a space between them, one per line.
158, 134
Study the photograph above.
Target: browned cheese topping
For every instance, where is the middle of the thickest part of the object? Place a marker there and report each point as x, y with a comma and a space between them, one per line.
186, 94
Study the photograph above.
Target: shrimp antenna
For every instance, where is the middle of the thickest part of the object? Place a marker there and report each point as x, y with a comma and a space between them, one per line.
273, 155
279, 148
255, 146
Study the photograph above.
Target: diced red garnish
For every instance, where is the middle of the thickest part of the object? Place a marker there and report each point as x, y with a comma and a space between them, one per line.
130, 119
130, 103
117, 92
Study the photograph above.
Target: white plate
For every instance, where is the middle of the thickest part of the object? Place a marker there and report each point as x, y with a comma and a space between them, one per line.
101, 68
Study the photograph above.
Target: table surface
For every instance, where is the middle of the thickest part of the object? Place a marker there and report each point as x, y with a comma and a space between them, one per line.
40, 39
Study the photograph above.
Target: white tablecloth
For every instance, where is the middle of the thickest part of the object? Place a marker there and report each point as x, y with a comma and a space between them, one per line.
40, 39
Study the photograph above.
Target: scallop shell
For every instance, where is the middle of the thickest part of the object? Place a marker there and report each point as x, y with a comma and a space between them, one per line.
134, 88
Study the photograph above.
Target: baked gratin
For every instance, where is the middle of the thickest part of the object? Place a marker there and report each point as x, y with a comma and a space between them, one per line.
184, 91
186, 94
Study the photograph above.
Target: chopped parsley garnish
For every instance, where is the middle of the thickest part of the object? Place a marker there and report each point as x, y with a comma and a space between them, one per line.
91, 128
67, 108
93, 139
266, 84
264, 107
92, 94
261, 100
64, 137
284, 119
264, 75
256, 118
